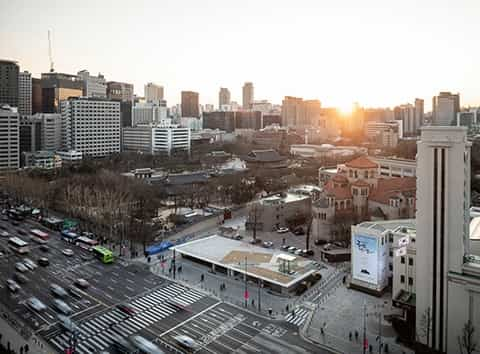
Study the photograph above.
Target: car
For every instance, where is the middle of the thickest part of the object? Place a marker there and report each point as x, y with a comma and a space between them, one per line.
145, 345
57, 290
29, 264
15, 222
299, 231
73, 291
22, 268
126, 309
67, 252
308, 252
22, 232
255, 241
238, 237
81, 283
123, 346
319, 242
282, 230
298, 252
22, 279
44, 248
267, 244
62, 307
186, 341
4, 234
87, 257
13, 285
36, 304
292, 249
67, 324
43, 261
38, 240
285, 247
5, 218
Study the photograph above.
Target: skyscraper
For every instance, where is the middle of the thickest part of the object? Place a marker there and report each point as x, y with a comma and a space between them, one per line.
419, 113
9, 144
445, 107
443, 201
292, 111
9, 83
153, 93
58, 87
122, 92
190, 104
24, 93
248, 95
36, 95
223, 97
30, 134
93, 86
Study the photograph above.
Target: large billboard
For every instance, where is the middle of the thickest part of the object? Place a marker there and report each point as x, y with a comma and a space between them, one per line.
365, 259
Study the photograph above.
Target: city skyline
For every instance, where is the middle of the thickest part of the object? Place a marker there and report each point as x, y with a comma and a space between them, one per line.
369, 54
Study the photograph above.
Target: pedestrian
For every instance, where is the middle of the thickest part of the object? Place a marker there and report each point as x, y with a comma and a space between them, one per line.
356, 335
253, 302
321, 331
350, 336
370, 348
293, 313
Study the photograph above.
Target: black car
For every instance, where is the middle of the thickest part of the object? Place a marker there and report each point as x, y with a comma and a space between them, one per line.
44, 248
43, 261
22, 232
22, 279
299, 231
320, 242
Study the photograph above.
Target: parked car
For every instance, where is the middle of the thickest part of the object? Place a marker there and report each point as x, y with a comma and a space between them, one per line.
57, 290
67, 252
36, 304
13, 285
43, 261
44, 248
29, 263
298, 252
320, 242
292, 249
186, 341
4, 234
22, 279
15, 222
5, 218
255, 241
73, 291
82, 283
267, 244
62, 307
299, 231
285, 247
126, 309
282, 230
19, 266
67, 323
22, 232
145, 345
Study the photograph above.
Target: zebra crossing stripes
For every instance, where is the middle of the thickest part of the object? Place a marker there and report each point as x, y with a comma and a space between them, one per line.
100, 332
298, 317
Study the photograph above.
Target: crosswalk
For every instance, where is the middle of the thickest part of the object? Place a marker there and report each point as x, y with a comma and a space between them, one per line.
298, 317
100, 332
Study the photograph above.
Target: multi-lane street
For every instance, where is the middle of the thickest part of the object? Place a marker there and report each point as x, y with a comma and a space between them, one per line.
160, 309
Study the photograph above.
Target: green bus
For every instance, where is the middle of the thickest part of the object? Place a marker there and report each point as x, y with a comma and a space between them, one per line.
102, 253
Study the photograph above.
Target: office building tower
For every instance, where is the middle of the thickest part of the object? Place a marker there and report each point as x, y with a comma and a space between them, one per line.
91, 126
36, 96
120, 91
9, 83
9, 143
24, 93
51, 131
407, 114
292, 111
419, 113
93, 86
445, 107
156, 139
223, 97
247, 95
190, 104
149, 113
30, 135
153, 93
57, 87
443, 202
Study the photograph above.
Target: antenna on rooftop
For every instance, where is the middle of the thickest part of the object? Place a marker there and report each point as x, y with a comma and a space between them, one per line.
50, 56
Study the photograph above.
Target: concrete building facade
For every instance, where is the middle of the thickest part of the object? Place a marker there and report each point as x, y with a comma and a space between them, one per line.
190, 104
93, 86
445, 107
153, 93
247, 95
24, 93
9, 82
51, 124
149, 113
9, 140
223, 97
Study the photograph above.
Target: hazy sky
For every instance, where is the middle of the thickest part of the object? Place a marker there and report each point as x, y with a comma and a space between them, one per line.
376, 52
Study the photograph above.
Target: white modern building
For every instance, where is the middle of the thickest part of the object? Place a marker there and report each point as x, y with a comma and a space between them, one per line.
70, 156
385, 134
153, 93
395, 167
93, 86
156, 139
447, 275
24, 93
91, 126
51, 124
150, 113
9, 139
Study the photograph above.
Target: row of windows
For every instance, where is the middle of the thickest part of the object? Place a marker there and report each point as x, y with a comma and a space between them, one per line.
402, 280
410, 260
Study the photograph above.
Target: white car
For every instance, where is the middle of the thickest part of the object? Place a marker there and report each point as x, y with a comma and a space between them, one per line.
21, 267
36, 304
62, 307
186, 341
283, 230
13, 285
67, 252
4, 234
58, 290
145, 345
29, 264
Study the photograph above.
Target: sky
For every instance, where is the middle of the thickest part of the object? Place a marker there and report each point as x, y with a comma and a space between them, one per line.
378, 53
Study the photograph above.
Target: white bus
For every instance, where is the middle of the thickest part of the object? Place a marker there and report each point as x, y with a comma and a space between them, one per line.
86, 243
18, 245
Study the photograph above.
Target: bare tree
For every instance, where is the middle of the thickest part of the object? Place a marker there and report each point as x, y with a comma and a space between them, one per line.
466, 341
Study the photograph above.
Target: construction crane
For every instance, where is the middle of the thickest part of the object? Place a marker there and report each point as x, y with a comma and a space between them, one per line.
50, 56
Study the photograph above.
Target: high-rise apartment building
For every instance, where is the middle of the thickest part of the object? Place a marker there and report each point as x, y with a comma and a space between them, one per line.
91, 126
36, 95
9, 83
93, 86
443, 202
292, 111
149, 113
247, 95
445, 107
57, 87
51, 131
24, 93
223, 97
9, 143
30, 135
153, 93
419, 113
190, 104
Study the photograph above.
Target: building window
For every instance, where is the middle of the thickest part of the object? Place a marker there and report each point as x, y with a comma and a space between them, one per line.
365, 174
390, 238
410, 281
391, 253
402, 260
402, 279
355, 191
390, 267
410, 261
